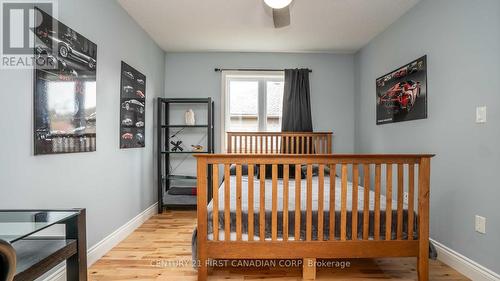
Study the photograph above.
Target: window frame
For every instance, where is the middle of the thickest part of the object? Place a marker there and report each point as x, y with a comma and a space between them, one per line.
260, 76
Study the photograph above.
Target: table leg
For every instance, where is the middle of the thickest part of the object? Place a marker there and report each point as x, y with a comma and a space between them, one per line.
76, 265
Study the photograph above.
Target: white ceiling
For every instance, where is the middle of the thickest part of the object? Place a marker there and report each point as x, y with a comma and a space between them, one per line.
336, 26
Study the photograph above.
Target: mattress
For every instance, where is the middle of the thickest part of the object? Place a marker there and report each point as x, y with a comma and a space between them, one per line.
291, 211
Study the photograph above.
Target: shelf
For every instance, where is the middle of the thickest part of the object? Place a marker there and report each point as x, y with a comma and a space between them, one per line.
179, 201
181, 177
184, 126
166, 155
187, 100
33, 253
184, 152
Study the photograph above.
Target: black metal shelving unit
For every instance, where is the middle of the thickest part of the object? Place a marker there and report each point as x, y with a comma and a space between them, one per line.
164, 174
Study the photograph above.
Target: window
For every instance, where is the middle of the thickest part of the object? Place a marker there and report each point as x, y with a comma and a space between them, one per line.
253, 101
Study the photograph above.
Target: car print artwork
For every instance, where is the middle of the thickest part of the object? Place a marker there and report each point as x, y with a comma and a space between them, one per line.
127, 122
131, 104
401, 72
127, 136
128, 74
91, 119
140, 94
128, 89
44, 57
401, 96
132, 107
67, 50
139, 137
64, 64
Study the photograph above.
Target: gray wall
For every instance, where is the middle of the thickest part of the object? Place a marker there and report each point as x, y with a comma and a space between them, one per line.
332, 84
462, 41
114, 185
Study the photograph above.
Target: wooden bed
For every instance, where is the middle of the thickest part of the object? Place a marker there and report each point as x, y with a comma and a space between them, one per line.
386, 175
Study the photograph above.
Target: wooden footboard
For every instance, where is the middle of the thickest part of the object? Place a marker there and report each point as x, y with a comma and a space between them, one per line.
389, 175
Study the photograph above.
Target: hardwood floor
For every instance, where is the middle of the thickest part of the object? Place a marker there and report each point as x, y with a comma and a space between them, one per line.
161, 250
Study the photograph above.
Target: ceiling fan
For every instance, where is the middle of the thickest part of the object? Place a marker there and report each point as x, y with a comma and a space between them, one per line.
281, 12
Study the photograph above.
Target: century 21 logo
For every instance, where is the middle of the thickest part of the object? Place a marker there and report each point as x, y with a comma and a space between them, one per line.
18, 21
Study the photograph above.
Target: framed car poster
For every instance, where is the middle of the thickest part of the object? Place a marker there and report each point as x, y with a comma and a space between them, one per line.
402, 93
64, 88
132, 107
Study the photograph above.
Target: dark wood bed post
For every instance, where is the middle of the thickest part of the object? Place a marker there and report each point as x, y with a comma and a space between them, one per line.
423, 219
202, 219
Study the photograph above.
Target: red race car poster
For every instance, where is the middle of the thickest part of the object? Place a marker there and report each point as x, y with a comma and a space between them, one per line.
402, 94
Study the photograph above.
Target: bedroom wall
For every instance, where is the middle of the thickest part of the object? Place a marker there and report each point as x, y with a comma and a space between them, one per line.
332, 85
331, 82
462, 43
114, 185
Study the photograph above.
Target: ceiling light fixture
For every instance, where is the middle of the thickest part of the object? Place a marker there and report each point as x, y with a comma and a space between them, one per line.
278, 4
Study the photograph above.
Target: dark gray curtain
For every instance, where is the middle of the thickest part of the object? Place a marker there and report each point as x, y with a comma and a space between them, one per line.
296, 102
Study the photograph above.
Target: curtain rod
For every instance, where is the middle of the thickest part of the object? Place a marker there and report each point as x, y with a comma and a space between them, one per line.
248, 69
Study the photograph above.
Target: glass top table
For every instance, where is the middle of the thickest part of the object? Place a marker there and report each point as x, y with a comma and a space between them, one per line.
17, 224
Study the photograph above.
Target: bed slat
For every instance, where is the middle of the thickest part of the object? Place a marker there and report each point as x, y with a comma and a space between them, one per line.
215, 212
303, 144
354, 213
229, 148
274, 217
378, 178
321, 198
411, 200
388, 202
262, 210
272, 145
227, 194
286, 173
251, 172
266, 144
297, 202
317, 145
309, 204
329, 145
333, 171
366, 201
343, 206
399, 229
238, 202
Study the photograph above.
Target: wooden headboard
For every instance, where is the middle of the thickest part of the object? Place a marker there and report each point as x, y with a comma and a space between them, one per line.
279, 142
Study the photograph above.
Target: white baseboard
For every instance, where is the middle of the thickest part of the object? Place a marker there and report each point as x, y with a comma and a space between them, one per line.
464, 265
105, 245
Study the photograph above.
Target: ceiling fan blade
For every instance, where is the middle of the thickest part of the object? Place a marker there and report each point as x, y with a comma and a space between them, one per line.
281, 17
